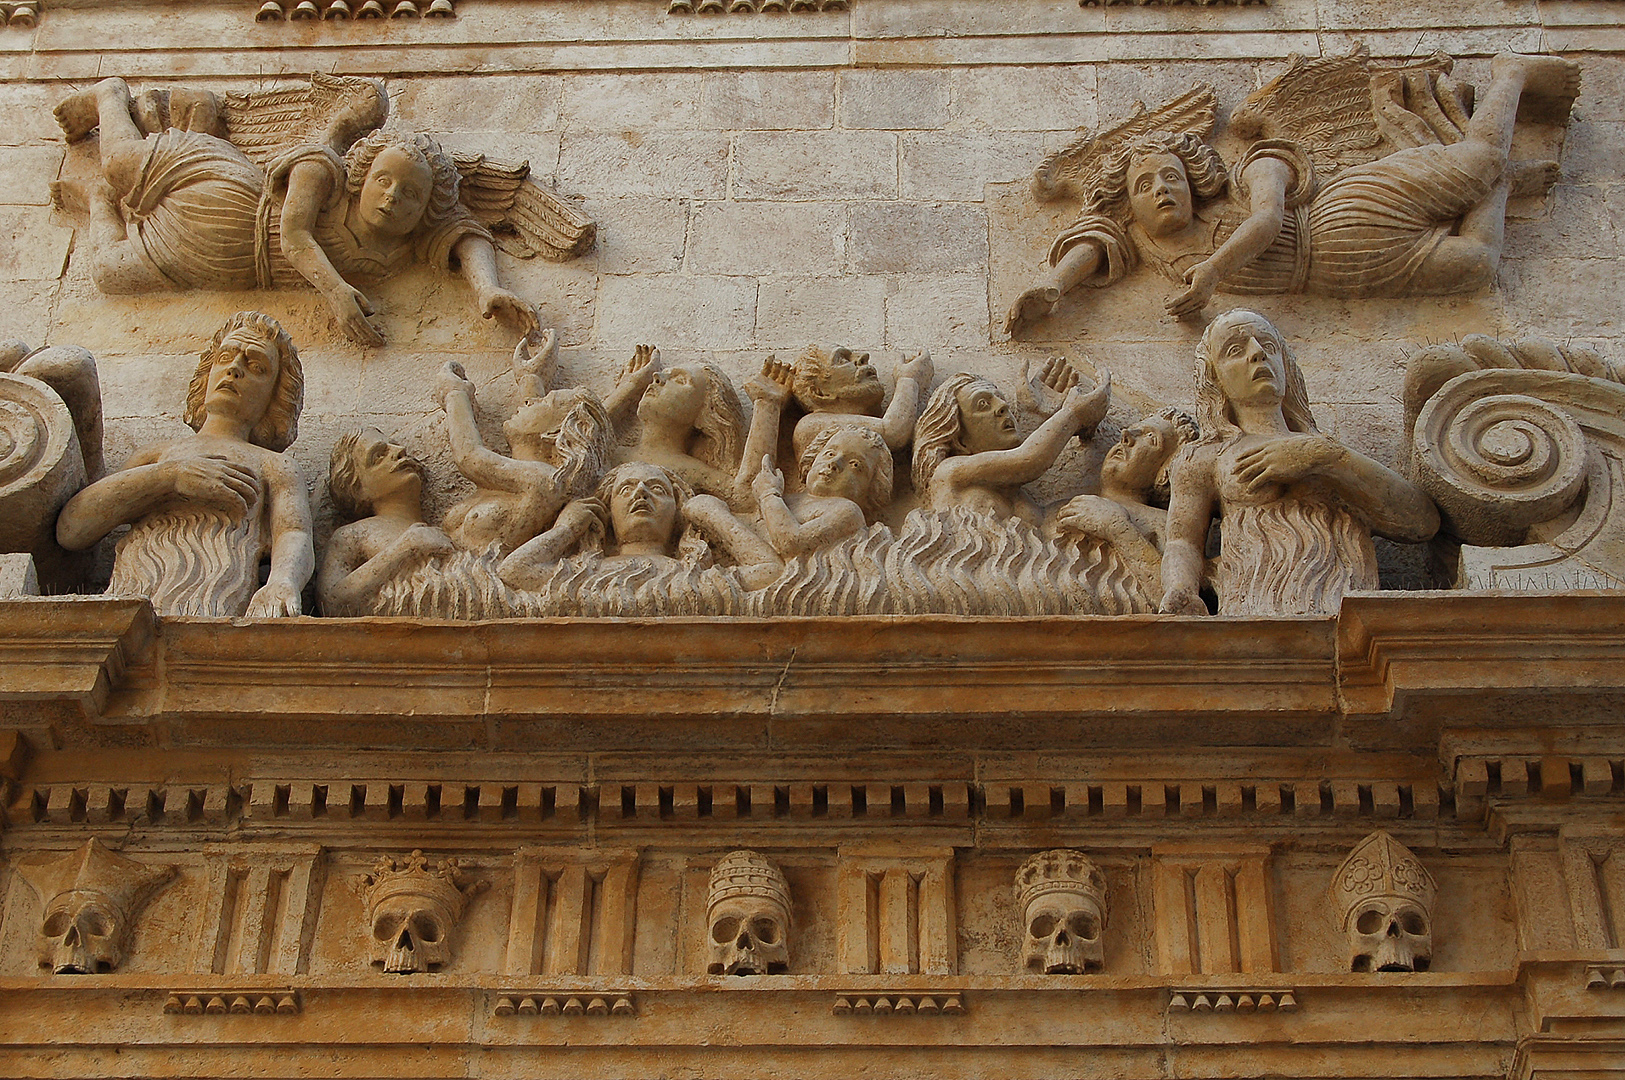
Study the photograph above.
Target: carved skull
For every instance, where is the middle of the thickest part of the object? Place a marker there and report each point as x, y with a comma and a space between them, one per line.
748, 917
1388, 934
748, 937
1062, 895
1063, 935
84, 934
410, 937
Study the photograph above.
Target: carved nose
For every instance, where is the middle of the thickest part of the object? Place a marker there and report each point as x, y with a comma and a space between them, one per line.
744, 942
1061, 938
1393, 928
406, 940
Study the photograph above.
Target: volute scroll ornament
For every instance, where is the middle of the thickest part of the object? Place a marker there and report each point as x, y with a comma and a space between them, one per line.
90, 898
413, 911
1386, 898
748, 917
1062, 897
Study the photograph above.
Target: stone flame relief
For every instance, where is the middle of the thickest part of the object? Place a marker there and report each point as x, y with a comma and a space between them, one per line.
91, 898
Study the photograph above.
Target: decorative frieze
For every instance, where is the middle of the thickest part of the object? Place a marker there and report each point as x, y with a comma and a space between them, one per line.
869, 1004
753, 7
543, 1003
344, 10
1251, 1000
232, 1002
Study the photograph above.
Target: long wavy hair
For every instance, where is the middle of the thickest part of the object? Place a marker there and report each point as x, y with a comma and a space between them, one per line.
443, 204
1204, 169
940, 425
279, 425
721, 422
584, 444
1213, 411
878, 495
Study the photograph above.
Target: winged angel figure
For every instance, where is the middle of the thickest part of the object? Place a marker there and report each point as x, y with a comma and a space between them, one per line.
265, 189
1361, 180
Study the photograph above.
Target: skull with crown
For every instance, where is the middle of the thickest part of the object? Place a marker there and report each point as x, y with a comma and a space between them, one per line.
1386, 896
412, 911
1062, 896
748, 917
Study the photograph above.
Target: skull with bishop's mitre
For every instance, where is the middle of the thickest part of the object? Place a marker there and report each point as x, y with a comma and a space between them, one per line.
747, 917
1062, 896
1386, 896
91, 897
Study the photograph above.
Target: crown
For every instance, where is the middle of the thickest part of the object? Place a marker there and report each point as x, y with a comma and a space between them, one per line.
92, 868
445, 885
1060, 870
1379, 865
747, 873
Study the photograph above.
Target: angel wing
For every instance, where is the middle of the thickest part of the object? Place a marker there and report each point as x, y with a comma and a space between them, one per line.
264, 124
1344, 110
1076, 170
525, 218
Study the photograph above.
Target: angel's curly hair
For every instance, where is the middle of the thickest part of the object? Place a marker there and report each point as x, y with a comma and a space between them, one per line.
1204, 168
443, 204
878, 496
277, 429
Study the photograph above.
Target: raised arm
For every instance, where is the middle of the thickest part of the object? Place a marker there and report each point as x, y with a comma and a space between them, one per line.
293, 558
478, 261
310, 186
633, 380
1190, 515
474, 460
145, 485
913, 375
1267, 180
768, 391
1006, 468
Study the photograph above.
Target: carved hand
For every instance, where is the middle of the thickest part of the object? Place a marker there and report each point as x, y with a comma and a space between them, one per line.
772, 384
1032, 305
539, 362
275, 599
640, 370
426, 541
1181, 602
1044, 392
917, 367
768, 481
449, 380
1089, 404
215, 482
351, 307
517, 313
1287, 460
1200, 284
579, 515
1094, 515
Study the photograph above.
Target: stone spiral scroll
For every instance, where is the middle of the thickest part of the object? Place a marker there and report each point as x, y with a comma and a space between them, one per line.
41, 465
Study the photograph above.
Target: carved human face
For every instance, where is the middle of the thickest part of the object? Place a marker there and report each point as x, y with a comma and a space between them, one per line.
83, 934
1159, 193
844, 468
384, 468
1247, 360
851, 383
643, 505
748, 937
242, 375
1388, 934
1138, 455
986, 421
395, 193
1063, 935
533, 430
676, 395
410, 935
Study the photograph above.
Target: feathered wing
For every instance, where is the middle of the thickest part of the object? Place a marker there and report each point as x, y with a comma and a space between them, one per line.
1075, 170
265, 124
525, 218
1345, 111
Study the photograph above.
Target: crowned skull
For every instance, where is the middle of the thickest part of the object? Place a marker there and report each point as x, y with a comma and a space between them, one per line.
1062, 897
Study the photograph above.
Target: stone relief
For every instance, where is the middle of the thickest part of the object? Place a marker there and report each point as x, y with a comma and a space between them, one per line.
747, 913
752, 7
1520, 445
20, 16
1062, 897
90, 899
205, 509
1385, 896
1298, 508
327, 10
412, 912
299, 185
1361, 181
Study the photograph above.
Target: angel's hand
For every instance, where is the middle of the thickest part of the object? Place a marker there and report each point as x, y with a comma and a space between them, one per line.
351, 307
917, 367
1200, 285
449, 380
517, 313
640, 370
771, 385
1030, 306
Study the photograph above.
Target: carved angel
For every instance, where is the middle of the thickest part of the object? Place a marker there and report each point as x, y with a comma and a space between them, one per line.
1362, 182
266, 189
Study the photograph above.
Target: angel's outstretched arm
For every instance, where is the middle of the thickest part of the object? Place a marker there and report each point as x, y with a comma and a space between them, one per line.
310, 184
1267, 179
478, 259
1080, 263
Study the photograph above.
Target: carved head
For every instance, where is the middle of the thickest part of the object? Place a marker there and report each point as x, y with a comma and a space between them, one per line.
90, 897
966, 414
849, 462
1386, 896
1137, 463
365, 466
1243, 357
1062, 896
645, 503
412, 912
404, 154
837, 380
569, 430
748, 915
701, 397
252, 369
1156, 179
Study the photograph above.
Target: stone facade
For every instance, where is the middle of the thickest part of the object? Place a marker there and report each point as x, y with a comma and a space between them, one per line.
1034, 830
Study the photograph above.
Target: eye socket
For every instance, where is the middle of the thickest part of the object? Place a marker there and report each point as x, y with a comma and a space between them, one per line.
1083, 925
57, 924
1042, 927
384, 929
725, 930
1412, 923
426, 930
97, 923
1369, 922
765, 930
